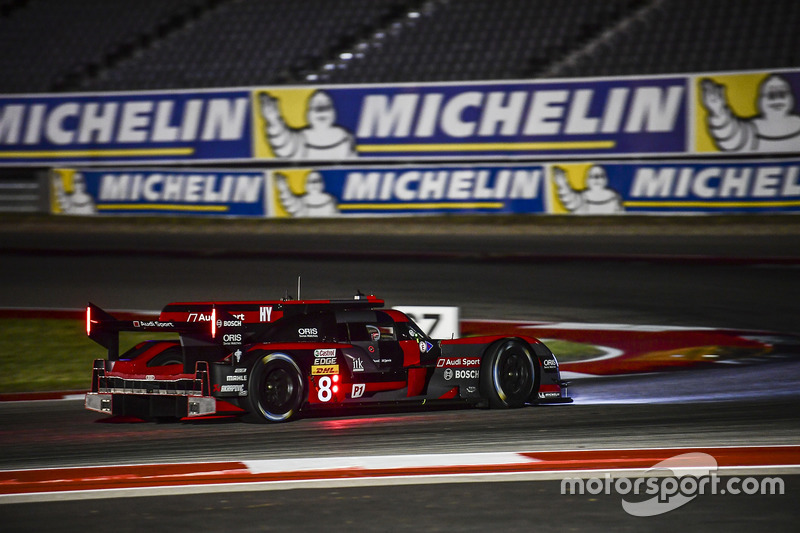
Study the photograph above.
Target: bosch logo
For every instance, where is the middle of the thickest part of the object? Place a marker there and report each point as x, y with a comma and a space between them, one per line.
448, 374
466, 374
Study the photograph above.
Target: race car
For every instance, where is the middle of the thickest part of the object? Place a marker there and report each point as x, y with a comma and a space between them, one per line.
276, 360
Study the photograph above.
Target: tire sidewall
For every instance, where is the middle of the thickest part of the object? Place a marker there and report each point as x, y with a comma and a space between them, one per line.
262, 368
492, 384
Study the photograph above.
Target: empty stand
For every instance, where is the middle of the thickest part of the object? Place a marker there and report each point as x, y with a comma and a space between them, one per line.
477, 39
695, 36
44, 43
249, 43
68, 45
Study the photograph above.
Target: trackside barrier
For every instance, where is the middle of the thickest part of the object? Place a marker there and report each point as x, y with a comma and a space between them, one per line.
559, 187
681, 115
24, 191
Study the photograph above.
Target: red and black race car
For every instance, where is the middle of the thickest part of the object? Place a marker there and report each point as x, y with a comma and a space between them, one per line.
274, 360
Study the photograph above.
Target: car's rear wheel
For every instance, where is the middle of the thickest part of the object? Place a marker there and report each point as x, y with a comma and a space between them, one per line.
170, 357
508, 374
275, 388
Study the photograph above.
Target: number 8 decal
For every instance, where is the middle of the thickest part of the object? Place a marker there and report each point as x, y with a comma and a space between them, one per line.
325, 393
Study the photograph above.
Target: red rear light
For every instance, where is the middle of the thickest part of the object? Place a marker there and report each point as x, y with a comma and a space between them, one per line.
213, 322
88, 320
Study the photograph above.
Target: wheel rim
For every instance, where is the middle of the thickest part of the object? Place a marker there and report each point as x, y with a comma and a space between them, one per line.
512, 373
278, 391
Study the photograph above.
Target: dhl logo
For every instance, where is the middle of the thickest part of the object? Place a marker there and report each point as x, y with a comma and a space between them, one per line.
324, 370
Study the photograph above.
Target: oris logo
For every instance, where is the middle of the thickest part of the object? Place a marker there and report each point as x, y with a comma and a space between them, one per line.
549, 363
307, 332
232, 338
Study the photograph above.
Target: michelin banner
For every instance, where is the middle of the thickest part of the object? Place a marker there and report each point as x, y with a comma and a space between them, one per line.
566, 187
648, 116
291, 192
128, 128
678, 187
87, 191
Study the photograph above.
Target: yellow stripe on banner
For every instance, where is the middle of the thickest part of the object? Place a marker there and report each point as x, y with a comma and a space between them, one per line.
451, 205
162, 207
97, 153
483, 147
720, 205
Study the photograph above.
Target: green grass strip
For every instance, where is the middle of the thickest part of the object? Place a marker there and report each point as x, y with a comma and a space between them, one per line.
51, 354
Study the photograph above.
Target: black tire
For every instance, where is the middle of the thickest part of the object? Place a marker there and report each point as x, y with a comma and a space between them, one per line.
275, 389
167, 358
508, 374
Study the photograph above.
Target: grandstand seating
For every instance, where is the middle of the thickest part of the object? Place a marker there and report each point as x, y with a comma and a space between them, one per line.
696, 36
476, 39
47, 43
68, 45
249, 43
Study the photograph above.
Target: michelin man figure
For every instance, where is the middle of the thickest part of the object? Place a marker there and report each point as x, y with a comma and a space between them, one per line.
315, 202
322, 139
78, 202
775, 129
596, 199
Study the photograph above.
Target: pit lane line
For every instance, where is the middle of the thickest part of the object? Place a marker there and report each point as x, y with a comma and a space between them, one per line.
97, 482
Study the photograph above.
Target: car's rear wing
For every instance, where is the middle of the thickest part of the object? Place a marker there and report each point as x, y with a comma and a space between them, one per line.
212, 326
104, 329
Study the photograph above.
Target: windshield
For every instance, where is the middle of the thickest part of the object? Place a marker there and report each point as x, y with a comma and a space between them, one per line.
413, 332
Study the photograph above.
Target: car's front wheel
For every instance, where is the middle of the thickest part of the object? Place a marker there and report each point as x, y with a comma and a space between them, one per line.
275, 389
508, 374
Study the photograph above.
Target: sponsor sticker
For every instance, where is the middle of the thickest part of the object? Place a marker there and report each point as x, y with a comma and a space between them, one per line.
152, 324
458, 362
232, 338
305, 333
324, 370
358, 390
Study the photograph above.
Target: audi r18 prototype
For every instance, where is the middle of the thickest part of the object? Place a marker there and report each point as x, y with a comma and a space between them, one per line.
274, 360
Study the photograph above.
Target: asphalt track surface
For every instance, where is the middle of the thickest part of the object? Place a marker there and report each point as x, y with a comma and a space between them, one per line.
748, 279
